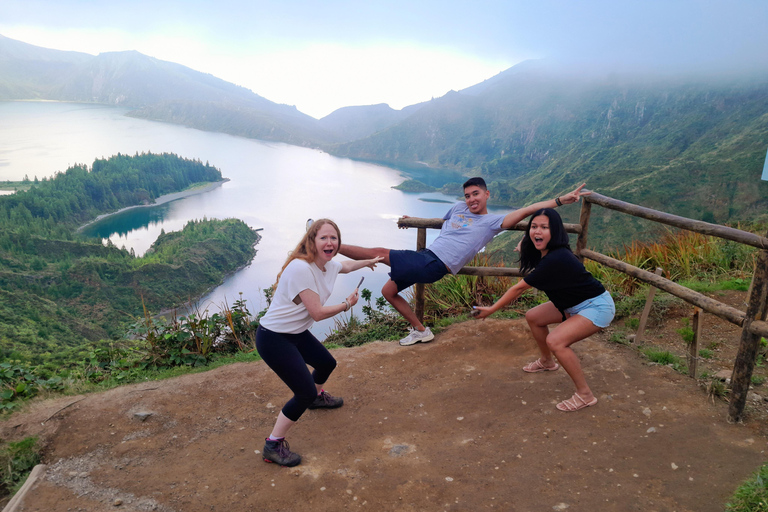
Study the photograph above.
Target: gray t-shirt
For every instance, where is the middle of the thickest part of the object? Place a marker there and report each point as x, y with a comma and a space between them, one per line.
463, 235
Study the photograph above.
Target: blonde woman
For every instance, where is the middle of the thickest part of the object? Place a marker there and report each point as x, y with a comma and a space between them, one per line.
283, 339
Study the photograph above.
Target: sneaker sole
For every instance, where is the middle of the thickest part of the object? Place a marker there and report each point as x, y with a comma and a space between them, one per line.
325, 406
420, 340
284, 465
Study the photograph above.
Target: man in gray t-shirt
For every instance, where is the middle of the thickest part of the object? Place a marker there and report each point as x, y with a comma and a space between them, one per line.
466, 230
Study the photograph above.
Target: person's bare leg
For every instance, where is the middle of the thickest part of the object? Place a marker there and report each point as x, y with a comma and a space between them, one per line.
282, 426
539, 318
355, 252
574, 329
389, 292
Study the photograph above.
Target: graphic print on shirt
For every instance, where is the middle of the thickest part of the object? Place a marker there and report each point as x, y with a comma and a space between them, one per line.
461, 221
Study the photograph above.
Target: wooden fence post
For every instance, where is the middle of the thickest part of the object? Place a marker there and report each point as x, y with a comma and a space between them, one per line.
418, 288
745, 358
581, 240
693, 347
646, 310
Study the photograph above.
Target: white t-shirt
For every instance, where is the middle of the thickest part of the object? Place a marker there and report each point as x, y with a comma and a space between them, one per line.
463, 235
284, 315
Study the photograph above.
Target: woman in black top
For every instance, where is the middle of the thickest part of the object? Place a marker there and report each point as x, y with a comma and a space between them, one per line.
577, 301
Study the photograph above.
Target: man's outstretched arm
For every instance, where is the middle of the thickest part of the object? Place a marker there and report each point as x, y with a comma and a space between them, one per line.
512, 218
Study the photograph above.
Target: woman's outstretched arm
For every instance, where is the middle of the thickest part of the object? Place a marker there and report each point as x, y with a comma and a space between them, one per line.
348, 266
509, 296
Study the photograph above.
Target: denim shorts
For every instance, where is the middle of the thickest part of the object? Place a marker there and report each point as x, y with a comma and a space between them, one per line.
411, 267
598, 310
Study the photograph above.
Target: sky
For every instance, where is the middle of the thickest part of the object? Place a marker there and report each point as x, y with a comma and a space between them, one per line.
323, 55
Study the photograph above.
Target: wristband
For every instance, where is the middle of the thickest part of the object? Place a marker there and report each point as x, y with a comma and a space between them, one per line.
558, 202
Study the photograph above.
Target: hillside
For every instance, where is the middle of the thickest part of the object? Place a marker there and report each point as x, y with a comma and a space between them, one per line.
62, 289
153, 88
689, 145
692, 146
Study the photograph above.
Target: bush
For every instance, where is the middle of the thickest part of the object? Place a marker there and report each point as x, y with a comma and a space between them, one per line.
380, 322
16, 461
752, 495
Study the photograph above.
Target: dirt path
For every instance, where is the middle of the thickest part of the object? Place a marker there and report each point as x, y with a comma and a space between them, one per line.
449, 425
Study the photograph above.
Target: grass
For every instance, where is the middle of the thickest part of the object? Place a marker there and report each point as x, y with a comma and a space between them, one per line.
752, 495
17, 459
664, 357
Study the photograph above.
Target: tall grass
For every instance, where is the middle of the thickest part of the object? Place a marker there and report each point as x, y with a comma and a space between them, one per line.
682, 255
455, 295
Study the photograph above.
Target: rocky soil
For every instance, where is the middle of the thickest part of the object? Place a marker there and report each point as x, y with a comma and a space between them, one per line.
445, 426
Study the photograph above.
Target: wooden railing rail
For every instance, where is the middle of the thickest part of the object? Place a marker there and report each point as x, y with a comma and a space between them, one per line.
708, 304
698, 226
752, 321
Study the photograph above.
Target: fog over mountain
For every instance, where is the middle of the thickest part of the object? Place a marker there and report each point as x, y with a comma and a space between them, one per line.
688, 143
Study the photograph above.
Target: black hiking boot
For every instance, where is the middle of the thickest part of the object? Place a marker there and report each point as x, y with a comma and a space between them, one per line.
279, 452
326, 401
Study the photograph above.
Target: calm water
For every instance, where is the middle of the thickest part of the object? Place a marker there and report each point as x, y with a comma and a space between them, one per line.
275, 187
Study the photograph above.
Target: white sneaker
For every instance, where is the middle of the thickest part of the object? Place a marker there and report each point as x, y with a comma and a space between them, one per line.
417, 336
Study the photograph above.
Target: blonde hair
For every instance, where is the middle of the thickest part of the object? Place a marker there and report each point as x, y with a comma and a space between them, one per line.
307, 249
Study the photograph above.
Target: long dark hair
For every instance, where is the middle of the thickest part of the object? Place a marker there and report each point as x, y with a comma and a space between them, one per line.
306, 249
529, 255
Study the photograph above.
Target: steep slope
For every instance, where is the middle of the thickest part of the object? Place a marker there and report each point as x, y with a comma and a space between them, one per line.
691, 146
154, 89
28, 72
353, 123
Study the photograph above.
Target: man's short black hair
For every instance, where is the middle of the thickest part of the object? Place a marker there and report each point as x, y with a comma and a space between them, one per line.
477, 181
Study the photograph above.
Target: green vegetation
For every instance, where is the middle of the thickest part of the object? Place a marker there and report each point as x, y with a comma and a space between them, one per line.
15, 185
664, 357
752, 495
380, 322
16, 461
414, 186
62, 294
534, 133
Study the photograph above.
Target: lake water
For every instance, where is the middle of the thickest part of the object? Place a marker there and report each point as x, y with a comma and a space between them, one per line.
273, 187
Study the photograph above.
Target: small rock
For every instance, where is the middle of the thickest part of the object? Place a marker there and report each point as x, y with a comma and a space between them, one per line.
631, 338
399, 450
651, 430
560, 506
647, 412
117, 502
142, 415
674, 466
448, 479
724, 374
754, 397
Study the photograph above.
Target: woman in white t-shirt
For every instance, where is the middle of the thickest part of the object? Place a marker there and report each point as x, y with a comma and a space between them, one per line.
283, 339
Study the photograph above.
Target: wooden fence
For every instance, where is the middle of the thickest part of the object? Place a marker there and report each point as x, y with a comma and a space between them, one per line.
752, 321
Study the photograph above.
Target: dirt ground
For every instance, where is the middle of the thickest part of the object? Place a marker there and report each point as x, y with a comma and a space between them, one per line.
445, 426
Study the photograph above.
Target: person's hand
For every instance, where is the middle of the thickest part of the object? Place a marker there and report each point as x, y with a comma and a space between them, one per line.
371, 264
480, 313
353, 298
517, 247
404, 217
575, 195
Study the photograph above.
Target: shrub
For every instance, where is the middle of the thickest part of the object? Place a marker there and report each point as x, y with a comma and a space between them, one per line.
752, 495
16, 461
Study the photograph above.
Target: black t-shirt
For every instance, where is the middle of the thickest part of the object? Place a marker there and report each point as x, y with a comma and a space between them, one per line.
564, 279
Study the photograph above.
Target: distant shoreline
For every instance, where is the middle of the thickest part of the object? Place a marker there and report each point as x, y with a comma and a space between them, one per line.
167, 198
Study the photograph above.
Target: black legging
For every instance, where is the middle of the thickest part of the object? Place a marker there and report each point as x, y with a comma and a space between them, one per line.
288, 355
